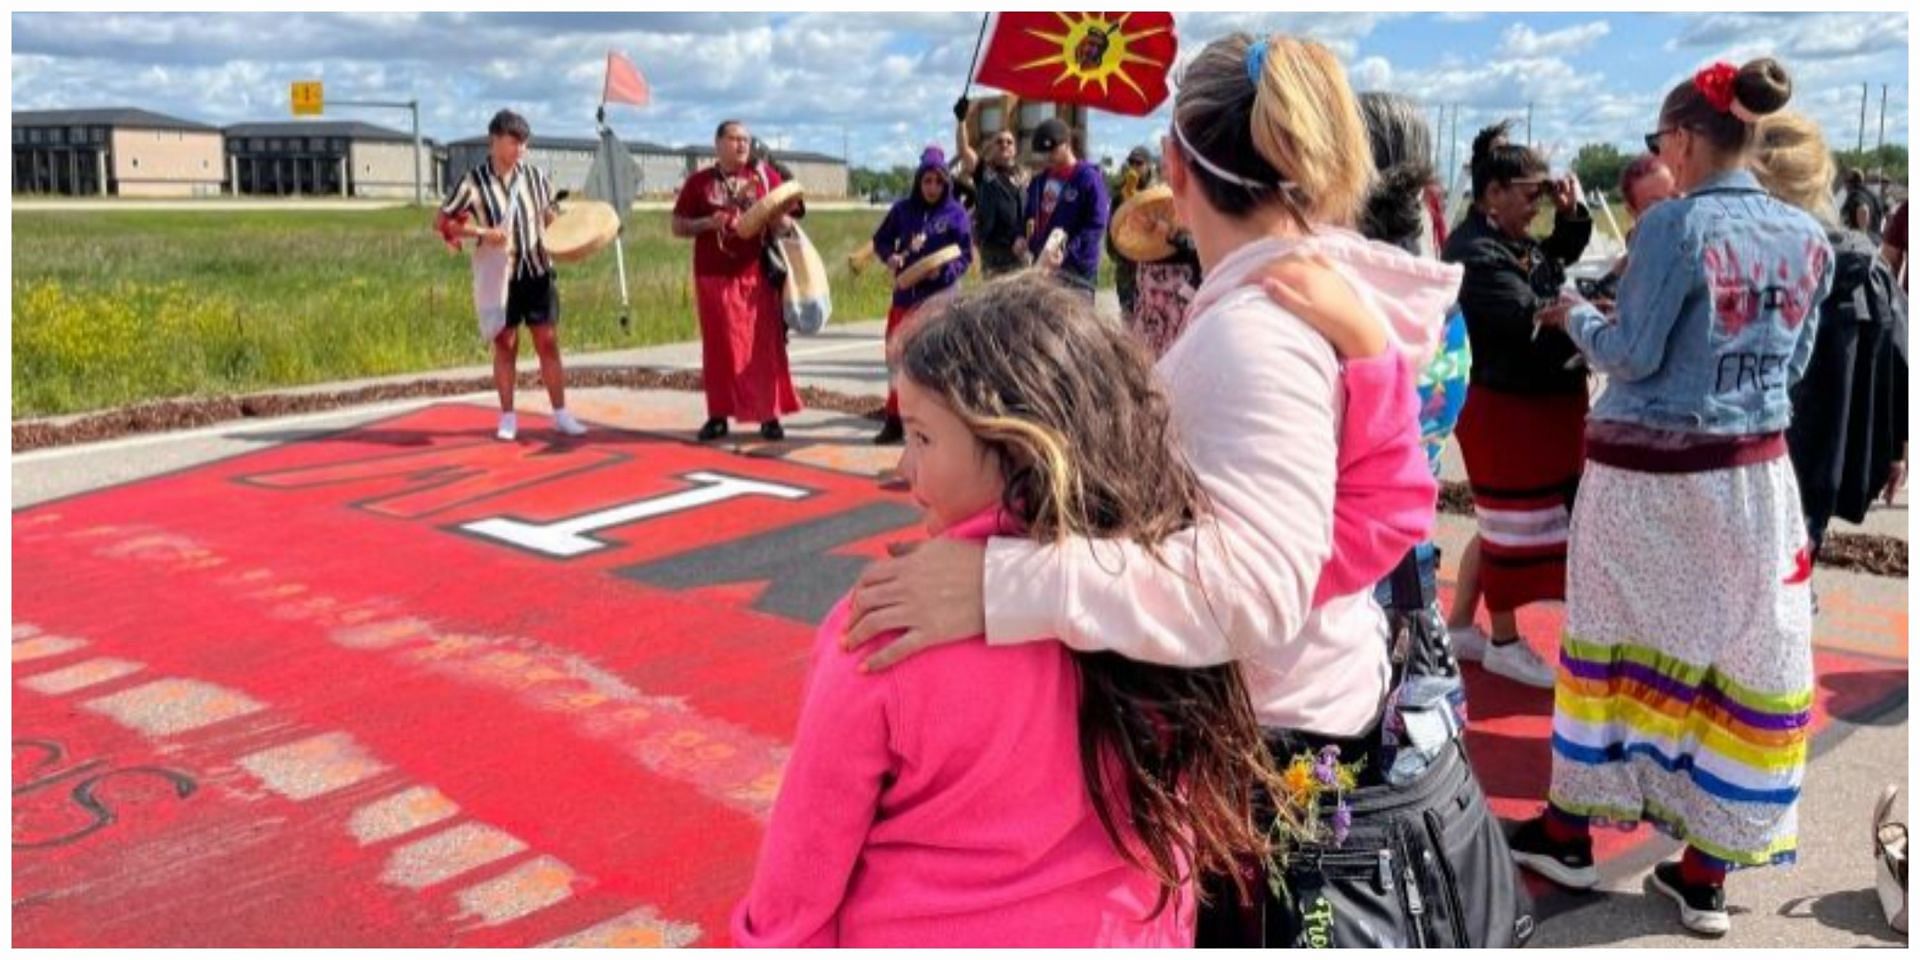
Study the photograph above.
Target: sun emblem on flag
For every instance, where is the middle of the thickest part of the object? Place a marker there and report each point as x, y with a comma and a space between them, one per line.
1094, 50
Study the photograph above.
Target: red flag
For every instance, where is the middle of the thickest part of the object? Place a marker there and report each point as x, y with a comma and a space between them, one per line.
1113, 61
624, 82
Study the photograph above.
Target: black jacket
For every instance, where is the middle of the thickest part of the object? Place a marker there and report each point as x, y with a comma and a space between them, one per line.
997, 217
1850, 409
1507, 281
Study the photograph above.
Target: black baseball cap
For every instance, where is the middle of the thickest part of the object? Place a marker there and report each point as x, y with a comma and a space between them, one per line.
1051, 133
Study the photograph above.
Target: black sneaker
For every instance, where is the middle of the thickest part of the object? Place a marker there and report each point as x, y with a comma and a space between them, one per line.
772, 430
1703, 907
1567, 864
892, 433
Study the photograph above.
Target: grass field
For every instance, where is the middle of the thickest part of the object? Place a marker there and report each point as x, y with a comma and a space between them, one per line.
113, 307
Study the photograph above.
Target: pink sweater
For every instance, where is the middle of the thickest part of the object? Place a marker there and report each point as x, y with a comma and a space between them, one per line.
940, 803
1258, 400
1384, 495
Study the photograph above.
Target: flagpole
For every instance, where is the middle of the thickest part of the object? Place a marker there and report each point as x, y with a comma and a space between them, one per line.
619, 247
974, 63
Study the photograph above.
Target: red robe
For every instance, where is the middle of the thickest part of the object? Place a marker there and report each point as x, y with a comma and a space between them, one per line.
743, 338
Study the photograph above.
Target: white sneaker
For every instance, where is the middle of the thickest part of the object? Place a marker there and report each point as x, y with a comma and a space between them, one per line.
509, 427
1517, 662
564, 422
1468, 642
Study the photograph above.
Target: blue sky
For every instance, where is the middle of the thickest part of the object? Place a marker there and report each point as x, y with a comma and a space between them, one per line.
882, 82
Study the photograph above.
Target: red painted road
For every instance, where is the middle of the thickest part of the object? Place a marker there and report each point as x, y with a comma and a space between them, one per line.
409, 687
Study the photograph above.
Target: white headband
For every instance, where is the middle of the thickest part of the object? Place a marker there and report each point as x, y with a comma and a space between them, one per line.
1224, 174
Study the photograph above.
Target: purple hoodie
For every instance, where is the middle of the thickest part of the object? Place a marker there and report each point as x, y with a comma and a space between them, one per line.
915, 228
1075, 201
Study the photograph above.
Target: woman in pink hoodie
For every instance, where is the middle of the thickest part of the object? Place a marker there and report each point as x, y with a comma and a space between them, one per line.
1028, 795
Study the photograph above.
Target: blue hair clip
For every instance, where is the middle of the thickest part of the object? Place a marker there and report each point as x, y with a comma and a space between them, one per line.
1256, 61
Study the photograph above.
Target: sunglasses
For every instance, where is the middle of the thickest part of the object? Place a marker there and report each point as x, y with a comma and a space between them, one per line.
1653, 139
1533, 190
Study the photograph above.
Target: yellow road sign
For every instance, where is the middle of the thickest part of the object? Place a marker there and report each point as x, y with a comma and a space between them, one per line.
307, 98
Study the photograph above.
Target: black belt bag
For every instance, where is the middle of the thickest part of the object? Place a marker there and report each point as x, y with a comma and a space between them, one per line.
1425, 863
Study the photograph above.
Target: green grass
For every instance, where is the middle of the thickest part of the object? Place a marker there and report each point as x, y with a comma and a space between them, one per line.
115, 307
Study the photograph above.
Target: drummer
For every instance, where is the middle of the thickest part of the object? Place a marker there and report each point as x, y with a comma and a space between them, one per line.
743, 337
507, 203
929, 219
1070, 196
1167, 266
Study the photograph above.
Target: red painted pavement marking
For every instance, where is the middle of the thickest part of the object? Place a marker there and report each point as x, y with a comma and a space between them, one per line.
455, 662
628, 735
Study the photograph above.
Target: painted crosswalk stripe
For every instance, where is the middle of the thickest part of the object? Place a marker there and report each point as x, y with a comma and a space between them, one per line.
535, 885
448, 854
642, 927
87, 673
399, 814
41, 646
312, 767
170, 706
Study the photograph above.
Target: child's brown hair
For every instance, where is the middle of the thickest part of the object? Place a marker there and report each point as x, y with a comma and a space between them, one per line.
1068, 405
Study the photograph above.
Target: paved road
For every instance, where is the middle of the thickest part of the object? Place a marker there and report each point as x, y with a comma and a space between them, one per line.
546, 892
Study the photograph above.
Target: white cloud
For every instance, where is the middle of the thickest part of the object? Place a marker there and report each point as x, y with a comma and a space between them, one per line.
883, 82
1520, 40
1797, 37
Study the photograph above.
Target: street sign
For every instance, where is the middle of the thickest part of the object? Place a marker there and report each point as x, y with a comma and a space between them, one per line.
307, 98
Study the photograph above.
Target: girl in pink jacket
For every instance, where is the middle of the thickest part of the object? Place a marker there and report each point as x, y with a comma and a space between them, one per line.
980, 796
1027, 796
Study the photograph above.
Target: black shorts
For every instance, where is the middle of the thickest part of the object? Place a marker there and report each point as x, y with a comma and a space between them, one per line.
534, 301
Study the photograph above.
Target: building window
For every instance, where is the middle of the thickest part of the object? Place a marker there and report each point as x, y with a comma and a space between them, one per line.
275, 144
1031, 114
57, 135
33, 135
204, 164
136, 163
993, 118
77, 135
340, 144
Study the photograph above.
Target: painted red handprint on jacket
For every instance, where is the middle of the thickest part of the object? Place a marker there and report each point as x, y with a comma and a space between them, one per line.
1735, 299
1799, 302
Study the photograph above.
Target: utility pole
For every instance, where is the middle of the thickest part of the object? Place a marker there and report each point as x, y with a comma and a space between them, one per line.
1879, 147
1861, 145
1529, 124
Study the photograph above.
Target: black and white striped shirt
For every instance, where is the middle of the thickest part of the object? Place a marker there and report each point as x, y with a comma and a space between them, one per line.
517, 204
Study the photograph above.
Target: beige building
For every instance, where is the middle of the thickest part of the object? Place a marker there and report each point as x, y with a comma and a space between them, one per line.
658, 170
824, 176
115, 151
328, 158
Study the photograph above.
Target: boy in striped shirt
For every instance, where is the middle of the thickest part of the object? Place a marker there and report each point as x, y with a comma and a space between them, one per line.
507, 203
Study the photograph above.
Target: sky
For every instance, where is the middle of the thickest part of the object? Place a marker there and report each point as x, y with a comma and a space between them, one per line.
880, 85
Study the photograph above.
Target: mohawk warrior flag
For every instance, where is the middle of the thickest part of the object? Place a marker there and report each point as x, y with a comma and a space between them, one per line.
1111, 61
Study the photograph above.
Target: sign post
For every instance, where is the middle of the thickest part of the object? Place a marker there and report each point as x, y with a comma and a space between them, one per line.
309, 100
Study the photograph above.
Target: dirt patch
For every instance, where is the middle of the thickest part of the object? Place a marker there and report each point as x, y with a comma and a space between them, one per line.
1865, 553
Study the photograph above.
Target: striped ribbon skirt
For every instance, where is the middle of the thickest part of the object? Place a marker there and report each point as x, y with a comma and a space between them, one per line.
1686, 673
1523, 456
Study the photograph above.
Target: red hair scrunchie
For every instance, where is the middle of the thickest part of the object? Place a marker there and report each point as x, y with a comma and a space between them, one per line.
1716, 84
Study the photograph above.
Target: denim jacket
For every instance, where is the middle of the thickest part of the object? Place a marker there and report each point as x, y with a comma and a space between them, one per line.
1716, 313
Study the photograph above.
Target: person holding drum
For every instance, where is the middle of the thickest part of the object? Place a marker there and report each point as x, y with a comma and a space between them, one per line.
731, 210
1070, 197
928, 243
507, 203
